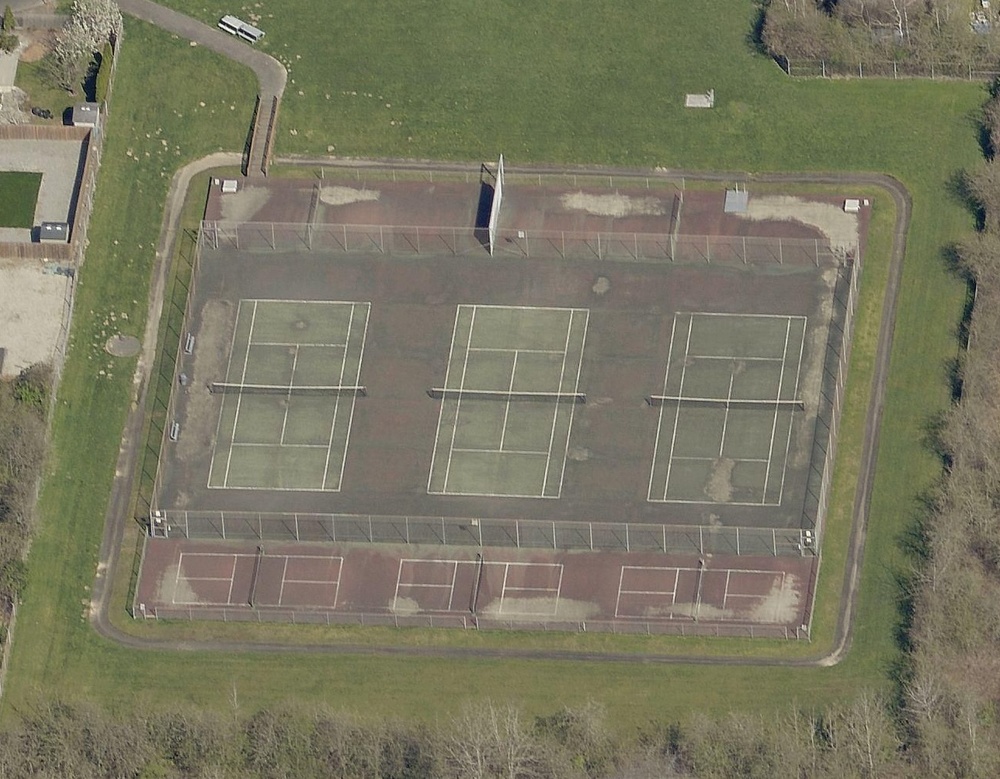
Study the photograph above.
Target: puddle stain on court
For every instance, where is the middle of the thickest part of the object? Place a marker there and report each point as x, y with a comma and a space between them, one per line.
173, 587
719, 487
616, 205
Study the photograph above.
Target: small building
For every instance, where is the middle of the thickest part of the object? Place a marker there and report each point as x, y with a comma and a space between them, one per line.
86, 114
53, 232
852, 205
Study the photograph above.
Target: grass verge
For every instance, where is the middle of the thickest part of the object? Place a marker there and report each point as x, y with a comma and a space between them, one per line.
18, 195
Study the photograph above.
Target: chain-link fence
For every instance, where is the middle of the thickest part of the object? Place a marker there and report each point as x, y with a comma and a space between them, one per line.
435, 241
467, 531
667, 627
886, 68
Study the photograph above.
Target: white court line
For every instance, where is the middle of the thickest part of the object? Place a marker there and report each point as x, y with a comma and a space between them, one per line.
503, 588
506, 411
788, 441
576, 387
740, 316
336, 406
555, 411
229, 363
430, 586
507, 349
677, 412
288, 397
659, 421
239, 398
447, 374
672, 593
306, 344
451, 594
458, 400
354, 399
725, 418
496, 451
731, 357
487, 306
713, 459
281, 591
777, 409
180, 566
281, 446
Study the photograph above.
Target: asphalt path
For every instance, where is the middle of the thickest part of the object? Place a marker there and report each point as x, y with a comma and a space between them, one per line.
119, 509
271, 74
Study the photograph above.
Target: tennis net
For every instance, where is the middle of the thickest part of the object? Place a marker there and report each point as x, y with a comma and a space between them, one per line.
767, 405
441, 393
227, 388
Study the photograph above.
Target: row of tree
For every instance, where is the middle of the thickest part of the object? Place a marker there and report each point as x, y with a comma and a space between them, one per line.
486, 740
24, 404
848, 32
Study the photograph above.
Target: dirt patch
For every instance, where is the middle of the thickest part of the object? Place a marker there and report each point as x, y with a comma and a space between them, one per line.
343, 196
602, 286
36, 50
242, 206
840, 228
780, 605
31, 314
720, 483
616, 205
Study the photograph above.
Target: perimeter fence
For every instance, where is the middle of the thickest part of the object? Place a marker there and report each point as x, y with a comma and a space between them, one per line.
682, 626
828, 423
887, 68
465, 531
435, 241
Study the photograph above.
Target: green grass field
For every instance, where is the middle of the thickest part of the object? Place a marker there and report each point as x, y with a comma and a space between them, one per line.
603, 84
18, 194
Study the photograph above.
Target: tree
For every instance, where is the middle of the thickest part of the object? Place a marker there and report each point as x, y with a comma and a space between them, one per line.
489, 741
92, 23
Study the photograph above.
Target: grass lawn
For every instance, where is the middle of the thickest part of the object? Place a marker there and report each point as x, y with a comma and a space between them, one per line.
601, 83
18, 195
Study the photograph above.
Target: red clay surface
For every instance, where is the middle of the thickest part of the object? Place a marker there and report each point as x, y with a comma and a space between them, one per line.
553, 589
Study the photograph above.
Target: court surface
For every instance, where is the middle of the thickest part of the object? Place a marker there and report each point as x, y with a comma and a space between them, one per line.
726, 410
514, 444
462, 587
285, 419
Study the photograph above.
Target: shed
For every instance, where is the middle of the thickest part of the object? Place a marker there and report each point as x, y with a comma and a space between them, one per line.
86, 114
53, 232
698, 100
852, 205
737, 201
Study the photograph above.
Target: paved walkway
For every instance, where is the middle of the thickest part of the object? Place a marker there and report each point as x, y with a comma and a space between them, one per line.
271, 74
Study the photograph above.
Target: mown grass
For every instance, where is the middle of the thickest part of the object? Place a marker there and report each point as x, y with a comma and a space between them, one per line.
18, 194
563, 83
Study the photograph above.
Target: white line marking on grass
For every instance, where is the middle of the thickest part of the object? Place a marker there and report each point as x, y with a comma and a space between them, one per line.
239, 398
447, 374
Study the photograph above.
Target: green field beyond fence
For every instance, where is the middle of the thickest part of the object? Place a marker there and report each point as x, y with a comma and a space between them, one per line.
556, 82
18, 195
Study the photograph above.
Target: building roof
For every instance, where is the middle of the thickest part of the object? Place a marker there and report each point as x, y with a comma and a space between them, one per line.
85, 114
53, 231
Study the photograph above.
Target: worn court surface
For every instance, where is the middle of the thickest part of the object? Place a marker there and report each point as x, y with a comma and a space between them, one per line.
183, 578
736, 355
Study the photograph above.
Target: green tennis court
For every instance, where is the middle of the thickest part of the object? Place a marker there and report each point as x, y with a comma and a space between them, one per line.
514, 443
730, 393
288, 396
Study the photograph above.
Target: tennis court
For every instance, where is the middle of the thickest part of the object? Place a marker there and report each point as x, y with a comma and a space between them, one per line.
507, 401
730, 393
288, 396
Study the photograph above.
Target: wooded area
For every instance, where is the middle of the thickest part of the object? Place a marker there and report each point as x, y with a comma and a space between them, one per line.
854, 31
